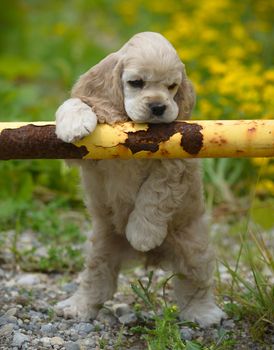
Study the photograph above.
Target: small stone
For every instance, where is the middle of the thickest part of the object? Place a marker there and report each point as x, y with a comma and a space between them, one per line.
70, 287
121, 309
12, 319
48, 329
28, 280
186, 333
128, 318
56, 341
63, 326
19, 339
11, 312
46, 342
83, 328
228, 324
3, 320
106, 317
72, 346
6, 330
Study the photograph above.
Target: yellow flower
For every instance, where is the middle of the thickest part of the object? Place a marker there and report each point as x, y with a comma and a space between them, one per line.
265, 186
269, 75
60, 29
260, 161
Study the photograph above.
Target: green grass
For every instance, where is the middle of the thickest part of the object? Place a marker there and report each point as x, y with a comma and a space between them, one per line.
162, 330
252, 298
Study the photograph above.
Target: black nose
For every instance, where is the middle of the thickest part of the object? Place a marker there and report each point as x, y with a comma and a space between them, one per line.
157, 109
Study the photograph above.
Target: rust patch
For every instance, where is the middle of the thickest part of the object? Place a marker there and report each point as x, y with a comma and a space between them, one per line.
36, 142
218, 141
149, 140
192, 138
252, 129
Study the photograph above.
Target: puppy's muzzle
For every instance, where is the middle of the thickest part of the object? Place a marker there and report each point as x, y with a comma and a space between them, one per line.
157, 109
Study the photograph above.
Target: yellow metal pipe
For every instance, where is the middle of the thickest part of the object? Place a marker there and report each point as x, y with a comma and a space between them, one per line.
180, 139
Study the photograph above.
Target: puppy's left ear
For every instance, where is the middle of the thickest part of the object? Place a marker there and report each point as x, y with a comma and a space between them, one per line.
185, 97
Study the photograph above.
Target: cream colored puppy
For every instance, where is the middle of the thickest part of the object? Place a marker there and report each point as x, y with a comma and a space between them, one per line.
150, 209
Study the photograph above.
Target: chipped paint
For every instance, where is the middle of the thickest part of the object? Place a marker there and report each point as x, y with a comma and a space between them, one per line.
180, 139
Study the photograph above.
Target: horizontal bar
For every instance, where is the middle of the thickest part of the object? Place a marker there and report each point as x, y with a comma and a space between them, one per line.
180, 139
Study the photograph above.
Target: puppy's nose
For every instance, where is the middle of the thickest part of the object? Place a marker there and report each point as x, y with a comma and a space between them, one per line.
157, 109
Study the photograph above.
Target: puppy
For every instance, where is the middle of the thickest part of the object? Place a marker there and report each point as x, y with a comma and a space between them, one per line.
140, 208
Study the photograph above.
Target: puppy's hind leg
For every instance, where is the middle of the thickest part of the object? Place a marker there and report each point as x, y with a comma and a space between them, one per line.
98, 280
194, 263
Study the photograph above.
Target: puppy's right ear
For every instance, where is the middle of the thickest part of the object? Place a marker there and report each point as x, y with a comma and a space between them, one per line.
101, 88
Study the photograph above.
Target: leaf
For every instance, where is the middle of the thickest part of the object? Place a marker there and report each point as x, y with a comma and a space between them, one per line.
262, 213
192, 346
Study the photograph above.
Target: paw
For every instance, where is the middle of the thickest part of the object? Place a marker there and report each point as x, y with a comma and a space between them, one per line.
142, 234
205, 314
74, 120
76, 307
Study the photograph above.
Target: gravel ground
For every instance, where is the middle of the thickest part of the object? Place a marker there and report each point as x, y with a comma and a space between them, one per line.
27, 320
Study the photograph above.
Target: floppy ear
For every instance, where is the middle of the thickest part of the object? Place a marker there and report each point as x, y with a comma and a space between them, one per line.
185, 98
101, 88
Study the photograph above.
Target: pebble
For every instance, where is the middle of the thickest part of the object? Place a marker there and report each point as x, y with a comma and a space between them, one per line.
56, 341
106, 316
72, 346
228, 324
27, 280
3, 320
70, 287
11, 312
6, 330
48, 329
186, 333
83, 328
19, 339
128, 318
121, 309
46, 342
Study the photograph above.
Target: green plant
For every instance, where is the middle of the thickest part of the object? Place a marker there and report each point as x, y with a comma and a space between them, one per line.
162, 330
252, 298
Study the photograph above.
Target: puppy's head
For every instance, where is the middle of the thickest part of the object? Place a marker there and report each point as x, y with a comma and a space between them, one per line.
155, 86
144, 81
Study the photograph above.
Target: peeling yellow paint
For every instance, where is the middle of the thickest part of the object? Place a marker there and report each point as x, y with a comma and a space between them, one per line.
222, 138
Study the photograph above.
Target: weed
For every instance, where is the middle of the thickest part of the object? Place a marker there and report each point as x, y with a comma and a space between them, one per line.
252, 298
103, 343
162, 330
119, 341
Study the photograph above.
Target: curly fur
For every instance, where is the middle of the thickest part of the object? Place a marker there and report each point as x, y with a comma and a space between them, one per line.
141, 209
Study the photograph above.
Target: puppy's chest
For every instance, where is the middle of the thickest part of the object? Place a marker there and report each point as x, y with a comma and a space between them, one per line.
123, 178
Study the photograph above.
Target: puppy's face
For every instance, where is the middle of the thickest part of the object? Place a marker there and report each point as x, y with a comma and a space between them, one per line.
150, 89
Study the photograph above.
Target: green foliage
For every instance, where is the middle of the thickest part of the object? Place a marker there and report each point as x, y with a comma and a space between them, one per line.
162, 330
252, 298
262, 213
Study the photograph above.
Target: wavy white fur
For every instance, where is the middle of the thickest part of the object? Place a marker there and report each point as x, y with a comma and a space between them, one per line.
141, 209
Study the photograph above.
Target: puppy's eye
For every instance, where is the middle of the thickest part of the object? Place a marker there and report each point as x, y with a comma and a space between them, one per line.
172, 86
136, 83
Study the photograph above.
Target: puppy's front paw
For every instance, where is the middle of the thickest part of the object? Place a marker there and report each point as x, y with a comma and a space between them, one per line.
205, 314
76, 307
144, 235
74, 120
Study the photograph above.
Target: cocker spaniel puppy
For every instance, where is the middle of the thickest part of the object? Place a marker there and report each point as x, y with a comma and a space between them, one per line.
144, 208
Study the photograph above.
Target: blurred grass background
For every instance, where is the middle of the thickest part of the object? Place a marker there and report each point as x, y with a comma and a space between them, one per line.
227, 47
